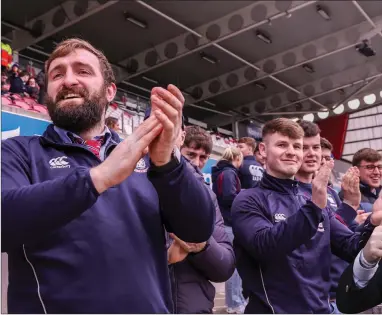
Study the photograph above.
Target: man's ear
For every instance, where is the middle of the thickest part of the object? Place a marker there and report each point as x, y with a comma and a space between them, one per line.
111, 90
263, 149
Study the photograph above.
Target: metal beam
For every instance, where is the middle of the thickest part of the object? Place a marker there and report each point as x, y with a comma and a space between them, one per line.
209, 34
55, 20
308, 52
338, 81
368, 18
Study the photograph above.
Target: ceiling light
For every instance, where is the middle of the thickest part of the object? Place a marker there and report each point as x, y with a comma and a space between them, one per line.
210, 103
325, 15
339, 110
308, 117
209, 58
263, 37
380, 94
354, 104
261, 86
135, 21
288, 14
308, 68
370, 99
295, 119
150, 80
323, 114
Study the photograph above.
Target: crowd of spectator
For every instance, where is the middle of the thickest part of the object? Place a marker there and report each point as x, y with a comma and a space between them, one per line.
19, 81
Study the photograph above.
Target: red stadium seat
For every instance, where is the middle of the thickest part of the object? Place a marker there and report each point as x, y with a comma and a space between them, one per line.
5, 100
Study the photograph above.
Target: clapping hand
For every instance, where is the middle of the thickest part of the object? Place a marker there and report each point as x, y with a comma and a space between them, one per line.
320, 184
350, 188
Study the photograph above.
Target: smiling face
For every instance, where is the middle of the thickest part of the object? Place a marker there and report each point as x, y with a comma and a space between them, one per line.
311, 155
283, 155
77, 94
371, 173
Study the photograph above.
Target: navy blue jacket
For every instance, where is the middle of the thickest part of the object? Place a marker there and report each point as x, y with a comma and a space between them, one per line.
283, 245
226, 186
72, 250
193, 292
250, 172
346, 215
17, 85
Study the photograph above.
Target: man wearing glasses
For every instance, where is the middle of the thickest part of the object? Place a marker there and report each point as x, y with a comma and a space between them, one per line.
369, 163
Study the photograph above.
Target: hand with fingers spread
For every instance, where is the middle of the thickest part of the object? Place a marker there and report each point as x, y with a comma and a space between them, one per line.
320, 184
376, 215
167, 106
361, 216
350, 188
122, 161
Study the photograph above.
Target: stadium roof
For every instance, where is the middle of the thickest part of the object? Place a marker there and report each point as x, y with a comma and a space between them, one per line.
234, 59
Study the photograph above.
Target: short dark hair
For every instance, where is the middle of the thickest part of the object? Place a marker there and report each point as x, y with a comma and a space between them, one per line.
366, 154
310, 128
257, 149
24, 73
284, 126
110, 122
325, 144
249, 142
198, 138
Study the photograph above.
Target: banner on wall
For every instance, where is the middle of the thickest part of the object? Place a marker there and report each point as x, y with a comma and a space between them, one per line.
13, 125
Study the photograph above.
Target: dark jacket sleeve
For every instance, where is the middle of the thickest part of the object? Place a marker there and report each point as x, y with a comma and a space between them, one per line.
229, 189
29, 211
267, 241
186, 205
217, 262
345, 243
351, 299
17, 86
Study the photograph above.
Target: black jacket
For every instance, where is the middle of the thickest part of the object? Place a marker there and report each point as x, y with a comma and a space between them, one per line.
351, 299
191, 279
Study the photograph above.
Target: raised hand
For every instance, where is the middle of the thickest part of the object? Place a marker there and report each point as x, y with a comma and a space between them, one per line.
350, 187
376, 215
122, 161
167, 106
320, 184
373, 249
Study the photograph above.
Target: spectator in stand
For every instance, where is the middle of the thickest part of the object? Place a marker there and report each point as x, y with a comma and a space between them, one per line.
5, 86
369, 163
250, 171
317, 152
32, 88
226, 186
112, 123
18, 82
193, 266
40, 79
283, 237
259, 158
83, 215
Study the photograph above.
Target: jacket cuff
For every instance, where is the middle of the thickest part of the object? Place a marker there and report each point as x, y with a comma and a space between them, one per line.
347, 213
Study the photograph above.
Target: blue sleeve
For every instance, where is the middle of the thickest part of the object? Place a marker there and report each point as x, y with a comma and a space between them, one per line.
186, 205
217, 262
30, 211
267, 241
347, 213
229, 189
345, 243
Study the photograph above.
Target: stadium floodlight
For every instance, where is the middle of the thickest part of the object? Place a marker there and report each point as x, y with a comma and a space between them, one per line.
308, 117
323, 114
354, 104
370, 99
339, 110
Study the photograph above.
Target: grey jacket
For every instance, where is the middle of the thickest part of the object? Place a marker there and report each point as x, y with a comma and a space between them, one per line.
190, 279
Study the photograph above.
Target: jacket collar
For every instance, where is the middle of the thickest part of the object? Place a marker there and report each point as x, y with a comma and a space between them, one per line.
51, 135
285, 186
250, 158
368, 191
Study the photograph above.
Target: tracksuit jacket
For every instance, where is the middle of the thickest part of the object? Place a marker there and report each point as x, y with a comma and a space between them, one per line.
250, 172
72, 250
283, 245
226, 185
193, 292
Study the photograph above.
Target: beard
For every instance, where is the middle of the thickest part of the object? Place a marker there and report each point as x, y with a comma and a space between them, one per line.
77, 118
